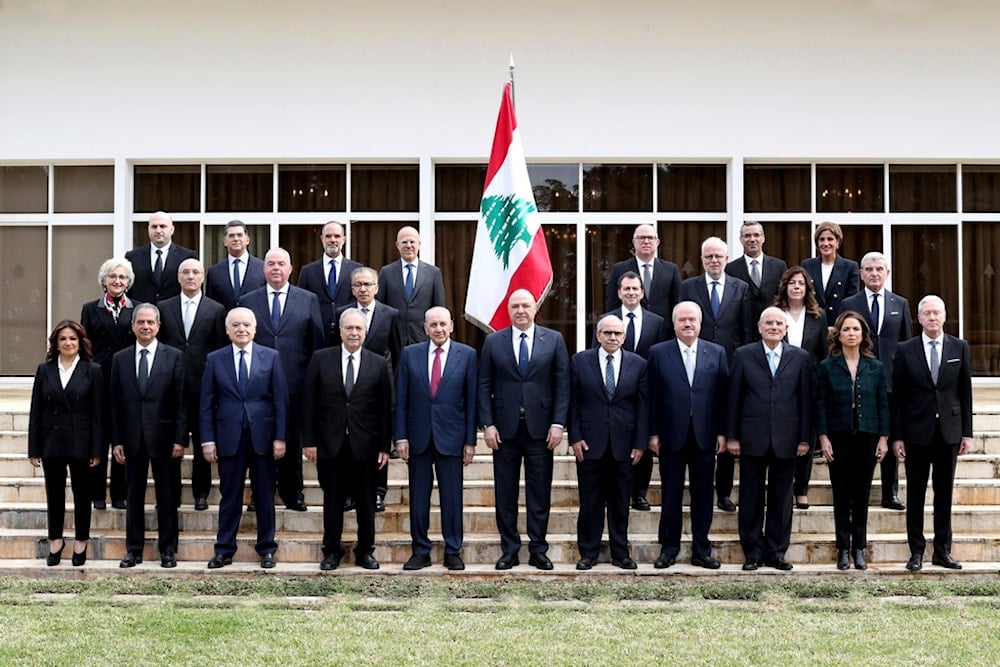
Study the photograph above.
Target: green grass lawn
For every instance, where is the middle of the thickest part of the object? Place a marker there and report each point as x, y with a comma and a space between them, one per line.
400, 621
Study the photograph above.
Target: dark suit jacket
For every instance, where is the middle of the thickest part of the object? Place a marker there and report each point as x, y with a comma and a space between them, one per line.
733, 327
918, 405
208, 333
146, 289
815, 339
770, 413
664, 294
66, 422
654, 330
447, 419
107, 336
299, 333
223, 407
544, 393
313, 278
761, 297
674, 404
621, 421
384, 335
428, 291
328, 414
219, 282
897, 325
153, 419
836, 395
844, 282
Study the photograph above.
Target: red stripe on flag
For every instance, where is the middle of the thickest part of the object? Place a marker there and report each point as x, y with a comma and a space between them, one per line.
533, 274
504, 134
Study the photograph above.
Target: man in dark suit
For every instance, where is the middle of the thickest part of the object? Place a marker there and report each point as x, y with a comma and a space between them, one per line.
239, 273
411, 286
890, 322
435, 431
660, 279
725, 308
762, 273
148, 429
329, 278
688, 379
770, 422
244, 415
195, 325
289, 321
347, 425
155, 264
608, 422
931, 425
643, 329
523, 407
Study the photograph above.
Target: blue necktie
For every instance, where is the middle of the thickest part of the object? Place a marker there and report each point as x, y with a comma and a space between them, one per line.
143, 377
772, 361
522, 355
609, 377
630, 333
331, 280
408, 286
244, 379
276, 311
236, 278
715, 299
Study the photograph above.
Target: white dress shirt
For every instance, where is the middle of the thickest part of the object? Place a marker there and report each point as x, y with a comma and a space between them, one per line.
430, 356
236, 358
516, 341
66, 373
149, 357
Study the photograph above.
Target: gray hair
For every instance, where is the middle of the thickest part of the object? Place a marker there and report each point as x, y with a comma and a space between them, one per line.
110, 264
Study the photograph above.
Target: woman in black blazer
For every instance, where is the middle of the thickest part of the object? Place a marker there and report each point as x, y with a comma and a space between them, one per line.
796, 297
108, 322
852, 421
65, 430
835, 278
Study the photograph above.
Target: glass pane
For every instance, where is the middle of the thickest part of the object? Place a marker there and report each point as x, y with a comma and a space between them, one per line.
981, 244
776, 188
374, 243
790, 241
455, 241
923, 262
215, 251
617, 187
850, 189
922, 188
386, 188
556, 186
185, 234
84, 189
239, 187
24, 189
606, 245
691, 187
312, 187
301, 241
558, 311
458, 187
680, 243
77, 254
981, 188
23, 303
858, 240
170, 188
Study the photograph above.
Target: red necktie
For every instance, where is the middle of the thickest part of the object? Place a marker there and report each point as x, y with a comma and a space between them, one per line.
436, 372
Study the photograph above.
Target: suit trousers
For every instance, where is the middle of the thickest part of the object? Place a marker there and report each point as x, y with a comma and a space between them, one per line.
765, 529
99, 478
725, 467
137, 467
642, 474
699, 464
340, 477
890, 476
936, 462
289, 466
851, 472
537, 459
422, 468
803, 473
232, 478
55, 495
604, 484
201, 470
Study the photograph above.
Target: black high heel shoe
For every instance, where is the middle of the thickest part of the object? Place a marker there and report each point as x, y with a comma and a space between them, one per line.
55, 556
80, 557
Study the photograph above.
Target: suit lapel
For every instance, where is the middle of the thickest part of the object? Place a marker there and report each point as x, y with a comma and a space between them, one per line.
52, 376
676, 358
598, 367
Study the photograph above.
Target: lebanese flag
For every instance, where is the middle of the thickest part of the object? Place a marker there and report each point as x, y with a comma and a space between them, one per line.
510, 252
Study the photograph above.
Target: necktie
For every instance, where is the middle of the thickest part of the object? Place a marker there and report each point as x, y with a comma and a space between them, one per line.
364, 311
715, 298
188, 317
875, 315
647, 278
236, 278
522, 355
349, 376
609, 376
630, 333
244, 377
689, 364
276, 311
143, 376
158, 267
935, 362
755, 272
408, 286
436, 372
772, 361
331, 279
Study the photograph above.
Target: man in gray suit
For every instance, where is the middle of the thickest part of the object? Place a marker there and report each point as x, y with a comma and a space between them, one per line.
411, 286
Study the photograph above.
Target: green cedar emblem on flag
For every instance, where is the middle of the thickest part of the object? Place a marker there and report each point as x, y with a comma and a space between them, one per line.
505, 218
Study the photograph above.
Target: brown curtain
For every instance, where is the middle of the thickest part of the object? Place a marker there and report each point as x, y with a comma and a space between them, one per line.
925, 262
981, 244
453, 250
243, 187
171, 188
776, 188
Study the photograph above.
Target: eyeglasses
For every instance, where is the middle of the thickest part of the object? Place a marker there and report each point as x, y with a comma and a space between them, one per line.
115, 276
613, 333
363, 285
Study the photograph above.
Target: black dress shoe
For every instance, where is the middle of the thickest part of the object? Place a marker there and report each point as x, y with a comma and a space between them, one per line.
251, 506
944, 559
297, 505
168, 559
379, 502
664, 561
843, 562
131, 559
859, 560
625, 563
640, 504
454, 562
368, 562
100, 505
893, 504
586, 563
916, 563
706, 562
349, 504
727, 505
267, 561
218, 560
801, 506
330, 562
118, 504
750, 566
417, 562
541, 561
55, 557
201, 504
507, 561
779, 564
80, 557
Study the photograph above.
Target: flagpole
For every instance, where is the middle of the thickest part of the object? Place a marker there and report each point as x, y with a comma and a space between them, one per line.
510, 67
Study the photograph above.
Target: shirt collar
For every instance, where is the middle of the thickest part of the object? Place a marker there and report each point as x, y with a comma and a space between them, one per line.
236, 350
721, 280
777, 349
151, 347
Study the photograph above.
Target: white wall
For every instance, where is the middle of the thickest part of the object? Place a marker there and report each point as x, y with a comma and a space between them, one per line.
101, 79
